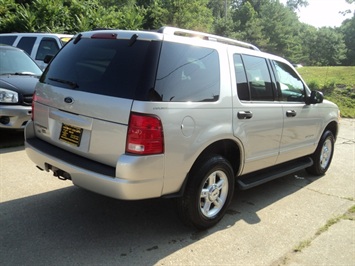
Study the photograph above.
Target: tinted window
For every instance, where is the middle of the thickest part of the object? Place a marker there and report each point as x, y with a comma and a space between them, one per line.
288, 82
259, 78
241, 78
9, 40
47, 46
26, 44
108, 67
187, 73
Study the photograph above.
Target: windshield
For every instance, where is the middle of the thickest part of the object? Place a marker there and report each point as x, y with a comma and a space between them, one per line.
16, 62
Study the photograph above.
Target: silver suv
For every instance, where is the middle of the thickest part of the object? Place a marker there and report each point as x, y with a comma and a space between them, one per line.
176, 113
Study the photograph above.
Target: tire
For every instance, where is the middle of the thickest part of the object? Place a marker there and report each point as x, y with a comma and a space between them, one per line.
323, 155
208, 192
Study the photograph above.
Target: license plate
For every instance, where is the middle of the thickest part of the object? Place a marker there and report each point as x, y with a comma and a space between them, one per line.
71, 134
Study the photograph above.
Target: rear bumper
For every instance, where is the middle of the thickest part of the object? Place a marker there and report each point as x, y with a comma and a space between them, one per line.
14, 116
135, 177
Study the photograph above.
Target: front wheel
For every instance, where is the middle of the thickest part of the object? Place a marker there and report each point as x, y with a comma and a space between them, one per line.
208, 193
323, 155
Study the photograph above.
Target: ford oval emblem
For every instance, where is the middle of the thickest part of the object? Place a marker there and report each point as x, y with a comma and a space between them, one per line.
68, 100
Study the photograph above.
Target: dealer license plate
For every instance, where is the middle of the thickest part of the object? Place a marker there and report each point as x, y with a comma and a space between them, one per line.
71, 134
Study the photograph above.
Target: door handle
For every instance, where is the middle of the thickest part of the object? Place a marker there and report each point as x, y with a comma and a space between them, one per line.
245, 114
291, 113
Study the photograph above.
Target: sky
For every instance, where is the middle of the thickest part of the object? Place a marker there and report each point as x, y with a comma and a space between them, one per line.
320, 13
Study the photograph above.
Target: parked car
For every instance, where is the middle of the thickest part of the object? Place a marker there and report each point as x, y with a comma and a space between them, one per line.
18, 77
37, 45
176, 113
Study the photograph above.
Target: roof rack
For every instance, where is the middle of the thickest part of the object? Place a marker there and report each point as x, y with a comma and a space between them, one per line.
206, 36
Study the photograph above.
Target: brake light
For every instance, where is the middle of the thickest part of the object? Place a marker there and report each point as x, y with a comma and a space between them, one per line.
145, 135
104, 36
34, 98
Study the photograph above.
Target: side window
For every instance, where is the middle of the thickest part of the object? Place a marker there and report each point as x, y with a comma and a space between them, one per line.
9, 40
288, 83
26, 44
48, 46
258, 76
187, 73
241, 78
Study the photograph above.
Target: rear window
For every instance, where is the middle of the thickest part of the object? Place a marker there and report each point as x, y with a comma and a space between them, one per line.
187, 73
106, 66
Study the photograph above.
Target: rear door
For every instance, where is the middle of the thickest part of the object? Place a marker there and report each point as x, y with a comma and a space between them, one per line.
257, 117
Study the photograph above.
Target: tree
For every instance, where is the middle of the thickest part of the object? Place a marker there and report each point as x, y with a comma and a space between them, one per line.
219, 8
156, 14
281, 27
296, 4
248, 25
308, 36
190, 14
8, 13
348, 30
328, 48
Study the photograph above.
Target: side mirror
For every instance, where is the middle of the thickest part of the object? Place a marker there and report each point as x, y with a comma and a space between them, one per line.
315, 97
48, 58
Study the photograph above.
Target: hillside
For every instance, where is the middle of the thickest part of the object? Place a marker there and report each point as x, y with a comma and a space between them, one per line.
336, 83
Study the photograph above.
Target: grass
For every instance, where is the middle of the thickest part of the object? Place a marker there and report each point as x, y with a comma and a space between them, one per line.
349, 215
336, 83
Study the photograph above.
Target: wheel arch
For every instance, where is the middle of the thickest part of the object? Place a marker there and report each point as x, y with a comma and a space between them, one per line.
332, 127
226, 148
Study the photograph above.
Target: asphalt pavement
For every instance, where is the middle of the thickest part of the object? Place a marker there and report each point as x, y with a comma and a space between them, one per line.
296, 220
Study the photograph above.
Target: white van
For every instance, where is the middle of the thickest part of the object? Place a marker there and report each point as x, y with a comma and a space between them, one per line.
37, 45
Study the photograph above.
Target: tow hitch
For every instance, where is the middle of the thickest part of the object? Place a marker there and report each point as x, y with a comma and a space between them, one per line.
62, 175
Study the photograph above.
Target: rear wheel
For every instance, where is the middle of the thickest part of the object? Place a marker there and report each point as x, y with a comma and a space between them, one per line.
323, 155
208, 193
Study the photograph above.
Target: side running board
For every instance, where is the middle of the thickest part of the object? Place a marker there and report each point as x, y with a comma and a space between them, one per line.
257, 178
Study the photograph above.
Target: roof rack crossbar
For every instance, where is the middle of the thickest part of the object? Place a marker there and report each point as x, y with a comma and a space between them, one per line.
206, 36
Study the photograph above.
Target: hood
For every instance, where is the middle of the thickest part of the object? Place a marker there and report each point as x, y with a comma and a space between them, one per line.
24, 85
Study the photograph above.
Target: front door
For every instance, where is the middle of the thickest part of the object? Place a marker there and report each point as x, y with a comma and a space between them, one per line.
301, 121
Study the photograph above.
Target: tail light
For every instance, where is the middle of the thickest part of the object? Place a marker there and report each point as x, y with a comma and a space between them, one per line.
145, 135
34, 98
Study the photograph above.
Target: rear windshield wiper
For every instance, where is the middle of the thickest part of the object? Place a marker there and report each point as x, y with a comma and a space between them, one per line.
20, 74
67, 82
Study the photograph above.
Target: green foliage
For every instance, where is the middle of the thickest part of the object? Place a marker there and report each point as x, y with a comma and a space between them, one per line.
8, 14
336, 83
155, 16
348, 30
295, 4
332, 50
189, 14
249, 26
281, 27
